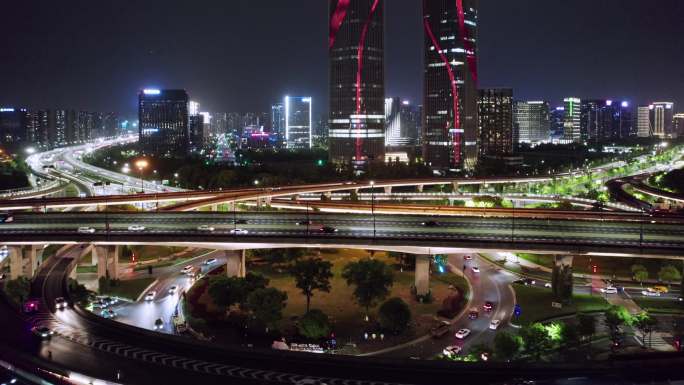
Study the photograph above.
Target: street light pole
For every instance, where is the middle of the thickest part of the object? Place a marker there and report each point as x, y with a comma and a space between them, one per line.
372, 183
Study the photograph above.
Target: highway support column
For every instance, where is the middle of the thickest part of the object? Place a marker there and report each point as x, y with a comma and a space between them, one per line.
420, 188
235, 263
388, 190
561, 278
16, 261
34, 254
107, 261
422, 274
454, 187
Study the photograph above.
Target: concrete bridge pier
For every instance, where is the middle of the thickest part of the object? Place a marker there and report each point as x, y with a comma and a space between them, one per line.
107, 261
16, 261
561, 278
34, 254
388, 190
454, 187
422, 274
236, 266
420, 188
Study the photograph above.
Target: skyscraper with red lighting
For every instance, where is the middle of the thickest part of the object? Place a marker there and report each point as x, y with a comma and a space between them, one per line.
450, 125
357, 81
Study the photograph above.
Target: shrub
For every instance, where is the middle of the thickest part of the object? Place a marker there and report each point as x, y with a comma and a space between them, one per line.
314, 325
394, 315
451, 305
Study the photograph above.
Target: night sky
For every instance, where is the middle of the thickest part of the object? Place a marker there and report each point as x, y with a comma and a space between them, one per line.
242, 55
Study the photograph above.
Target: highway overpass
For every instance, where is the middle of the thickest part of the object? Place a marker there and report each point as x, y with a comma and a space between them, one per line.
605, 236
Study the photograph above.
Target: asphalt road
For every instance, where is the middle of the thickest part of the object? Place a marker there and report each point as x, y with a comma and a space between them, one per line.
267, 224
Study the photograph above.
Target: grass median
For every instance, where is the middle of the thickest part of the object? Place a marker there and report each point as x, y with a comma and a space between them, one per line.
129, 289
536, 304
660, 305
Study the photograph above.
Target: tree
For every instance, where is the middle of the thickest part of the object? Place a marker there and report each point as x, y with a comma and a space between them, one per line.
310, 275
639, 273
372, 279
616, 316
394, 315
570, 334
645, 324
267, 305
314, 325
669, 273
18, 289
507, 346
228, 291
536, 340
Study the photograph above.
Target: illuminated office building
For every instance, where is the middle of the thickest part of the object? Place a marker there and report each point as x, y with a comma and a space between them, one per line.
163, 122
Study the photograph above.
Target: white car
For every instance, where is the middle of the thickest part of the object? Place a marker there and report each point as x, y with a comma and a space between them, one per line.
205, 228
60, 303
210, 261
86, 230
186, 270
548, 285
239, 231
648, 293
173, 289
462, 334
451, 351
494, 324
476, 269
609, 290
136, 228
150, 295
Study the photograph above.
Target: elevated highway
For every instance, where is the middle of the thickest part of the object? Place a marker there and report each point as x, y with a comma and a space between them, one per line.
573, 235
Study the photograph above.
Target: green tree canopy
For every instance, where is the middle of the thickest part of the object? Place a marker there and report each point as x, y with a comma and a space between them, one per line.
18, 289
267, 305
536, 340
669, 273
310, 275
616, 316
314, 325
372, 279
507, 346
639, 272
228, 291
394, 315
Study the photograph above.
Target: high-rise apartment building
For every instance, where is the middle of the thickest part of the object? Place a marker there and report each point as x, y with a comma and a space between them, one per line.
450, 84
357, 81
298, 122
557, 117
495, 114
606, 120
163, 122
644, 129
278, 123
572, 127
14, 123
661, 116
531, 122
678, 125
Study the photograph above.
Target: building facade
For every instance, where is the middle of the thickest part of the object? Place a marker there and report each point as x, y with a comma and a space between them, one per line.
450, 121
14, 123
357, 81
495, 114
278, 123
531, 122
163, 122
572, 126
402, 120
661, 116
298, 122
678, 125
644, 129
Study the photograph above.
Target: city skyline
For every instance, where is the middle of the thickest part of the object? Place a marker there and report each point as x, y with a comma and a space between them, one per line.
112, 85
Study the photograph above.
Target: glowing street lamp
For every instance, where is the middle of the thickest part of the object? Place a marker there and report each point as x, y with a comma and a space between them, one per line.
141, 164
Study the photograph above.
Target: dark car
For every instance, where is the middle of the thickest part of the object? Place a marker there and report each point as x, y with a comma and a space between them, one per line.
430, 224
473, 314
304, 223
328, 230
440, 330
42, 332
488, 306
240, 222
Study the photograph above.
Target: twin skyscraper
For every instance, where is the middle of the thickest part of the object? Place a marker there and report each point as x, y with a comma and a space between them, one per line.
357, 83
